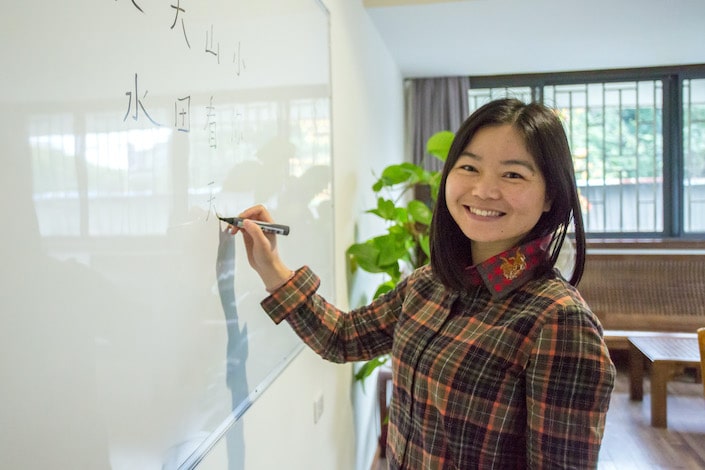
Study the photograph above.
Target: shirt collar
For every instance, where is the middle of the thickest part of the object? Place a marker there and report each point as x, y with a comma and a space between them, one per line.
507, 271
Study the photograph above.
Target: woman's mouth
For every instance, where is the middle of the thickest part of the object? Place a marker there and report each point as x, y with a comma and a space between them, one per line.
484, 212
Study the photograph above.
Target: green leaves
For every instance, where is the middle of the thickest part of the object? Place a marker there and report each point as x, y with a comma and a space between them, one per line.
408, 226
406, 243
380, 254
439, 143
365, 256
419, 212
386, 209
393, 175
368, 367
407, 235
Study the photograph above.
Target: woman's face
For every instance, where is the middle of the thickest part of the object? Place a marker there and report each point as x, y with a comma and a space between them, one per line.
495, 191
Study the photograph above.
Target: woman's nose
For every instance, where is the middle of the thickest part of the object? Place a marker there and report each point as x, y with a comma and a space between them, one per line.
486, 188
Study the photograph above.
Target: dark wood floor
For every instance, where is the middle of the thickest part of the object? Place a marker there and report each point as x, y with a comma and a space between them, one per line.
631, 443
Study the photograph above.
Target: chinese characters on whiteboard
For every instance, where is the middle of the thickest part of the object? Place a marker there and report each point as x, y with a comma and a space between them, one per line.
182, 105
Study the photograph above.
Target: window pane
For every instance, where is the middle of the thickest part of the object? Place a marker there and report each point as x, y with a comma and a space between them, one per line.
480, 96
694, 155
55, 176
128, 177
615, 133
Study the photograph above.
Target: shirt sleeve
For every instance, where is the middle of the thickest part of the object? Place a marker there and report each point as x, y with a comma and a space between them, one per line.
335, 335
569, 380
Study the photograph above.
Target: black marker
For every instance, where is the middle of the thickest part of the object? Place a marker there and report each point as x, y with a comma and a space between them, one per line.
265, 226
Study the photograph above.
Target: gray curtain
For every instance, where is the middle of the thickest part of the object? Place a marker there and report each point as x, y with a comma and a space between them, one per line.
433, 104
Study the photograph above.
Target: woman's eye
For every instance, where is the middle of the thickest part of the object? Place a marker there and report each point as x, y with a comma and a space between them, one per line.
513, 175
467, 167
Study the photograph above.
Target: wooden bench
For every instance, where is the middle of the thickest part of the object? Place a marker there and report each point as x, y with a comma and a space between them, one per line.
643, 288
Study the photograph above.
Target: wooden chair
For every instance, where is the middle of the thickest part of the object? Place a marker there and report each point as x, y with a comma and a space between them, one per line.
701, 342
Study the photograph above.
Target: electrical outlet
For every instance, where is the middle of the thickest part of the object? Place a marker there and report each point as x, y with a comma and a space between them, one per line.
317, 408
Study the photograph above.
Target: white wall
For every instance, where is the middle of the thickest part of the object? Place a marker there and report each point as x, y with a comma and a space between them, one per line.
367, 101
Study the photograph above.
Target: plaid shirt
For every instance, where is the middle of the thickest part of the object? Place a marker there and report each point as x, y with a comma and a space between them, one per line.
512, 373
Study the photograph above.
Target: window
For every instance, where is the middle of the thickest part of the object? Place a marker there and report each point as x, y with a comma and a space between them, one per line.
638, 143
694, 155
93, 179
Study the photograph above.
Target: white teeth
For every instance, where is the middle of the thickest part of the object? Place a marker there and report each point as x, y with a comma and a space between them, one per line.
484, 213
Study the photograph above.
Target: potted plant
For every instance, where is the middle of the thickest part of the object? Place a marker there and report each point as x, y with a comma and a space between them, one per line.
405, 245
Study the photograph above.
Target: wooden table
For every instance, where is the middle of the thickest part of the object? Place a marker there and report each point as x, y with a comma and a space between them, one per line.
667, 356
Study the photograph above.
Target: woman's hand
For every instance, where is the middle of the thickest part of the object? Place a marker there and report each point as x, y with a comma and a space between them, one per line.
261, 248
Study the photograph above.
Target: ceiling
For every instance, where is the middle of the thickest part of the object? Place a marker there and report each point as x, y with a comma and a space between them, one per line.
488, 37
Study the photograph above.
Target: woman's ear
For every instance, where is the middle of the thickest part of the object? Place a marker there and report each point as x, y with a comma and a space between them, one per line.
547, 205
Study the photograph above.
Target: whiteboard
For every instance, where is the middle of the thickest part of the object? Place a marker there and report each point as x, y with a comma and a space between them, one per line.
132, 335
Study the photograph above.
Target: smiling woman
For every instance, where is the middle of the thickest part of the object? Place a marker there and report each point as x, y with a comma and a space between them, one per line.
532, 142
496, 359
495, 192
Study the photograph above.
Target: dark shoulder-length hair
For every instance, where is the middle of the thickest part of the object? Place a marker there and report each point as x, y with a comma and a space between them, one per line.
546, 140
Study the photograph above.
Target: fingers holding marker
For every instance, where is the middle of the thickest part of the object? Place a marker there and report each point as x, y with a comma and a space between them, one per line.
267, 227
258, 212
